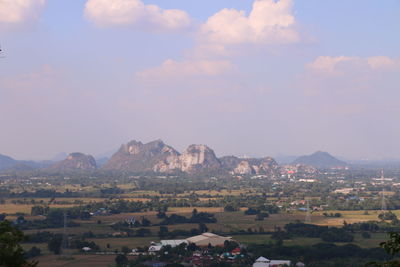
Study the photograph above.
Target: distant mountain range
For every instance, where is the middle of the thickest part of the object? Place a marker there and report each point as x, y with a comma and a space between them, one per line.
6, 162
320, 159
158, 157
10, 164
155, 156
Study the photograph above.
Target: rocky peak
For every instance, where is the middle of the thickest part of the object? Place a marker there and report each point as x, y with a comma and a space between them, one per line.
198, 156
132, 148
138, 157
244, 168
75, 161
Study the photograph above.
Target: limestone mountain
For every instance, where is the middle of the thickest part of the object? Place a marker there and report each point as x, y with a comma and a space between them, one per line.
138, 157
196, 158
320, 159
158, 157
75, 162
250, 166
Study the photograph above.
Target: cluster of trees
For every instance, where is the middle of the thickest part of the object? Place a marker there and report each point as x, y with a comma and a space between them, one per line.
197, 217
328, 234
39, 210
54, 219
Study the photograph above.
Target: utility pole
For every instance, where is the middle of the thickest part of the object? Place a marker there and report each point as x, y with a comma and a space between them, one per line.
308, 212
383, 204
64, 244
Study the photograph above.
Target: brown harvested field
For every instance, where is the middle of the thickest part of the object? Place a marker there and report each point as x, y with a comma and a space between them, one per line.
348, 216
78, 261
10, 208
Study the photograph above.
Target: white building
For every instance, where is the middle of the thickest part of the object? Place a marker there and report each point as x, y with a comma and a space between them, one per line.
264, 262
155, 248
173, 243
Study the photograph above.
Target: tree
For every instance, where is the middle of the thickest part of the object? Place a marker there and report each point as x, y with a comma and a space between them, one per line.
230, 208
121, 260
11, 253
163, 231
387, 216
203, 227
33, 252
392, 247
125, 250
145, 222
192, 247
366, 235
54, 244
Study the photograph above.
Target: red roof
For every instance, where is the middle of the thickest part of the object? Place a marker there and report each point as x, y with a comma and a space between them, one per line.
236, 250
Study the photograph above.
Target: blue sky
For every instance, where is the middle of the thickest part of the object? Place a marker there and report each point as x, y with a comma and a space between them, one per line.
282, 77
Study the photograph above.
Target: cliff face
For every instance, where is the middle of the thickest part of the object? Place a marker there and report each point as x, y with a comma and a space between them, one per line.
244, 168
138, 157
75, 162
267, 166
199, 157
195, 158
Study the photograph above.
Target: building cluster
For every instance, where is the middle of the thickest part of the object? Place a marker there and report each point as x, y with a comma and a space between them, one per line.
202, 256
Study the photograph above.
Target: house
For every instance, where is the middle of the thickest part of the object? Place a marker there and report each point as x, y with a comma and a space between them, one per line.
264, 262
205, 239
236, 251
86, 249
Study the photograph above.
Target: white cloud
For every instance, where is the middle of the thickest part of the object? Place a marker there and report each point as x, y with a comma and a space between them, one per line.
135, 12
19, 11
338, 65
328, 65
270, 22
179, 69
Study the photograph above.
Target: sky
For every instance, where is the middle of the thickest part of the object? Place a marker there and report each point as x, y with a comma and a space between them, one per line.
245, 77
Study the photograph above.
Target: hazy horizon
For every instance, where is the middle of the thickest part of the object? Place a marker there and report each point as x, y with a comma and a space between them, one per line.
258, 78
